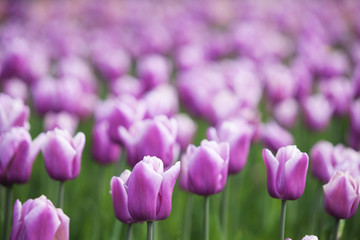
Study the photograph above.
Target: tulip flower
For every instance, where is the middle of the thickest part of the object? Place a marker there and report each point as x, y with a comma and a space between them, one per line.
13, 113
16, 88
145, 193
275, 137
61, 120
317, 112
341, 197
154, 137
286, 112
286, 176
126, 85
39, 219
186, 130
103, 150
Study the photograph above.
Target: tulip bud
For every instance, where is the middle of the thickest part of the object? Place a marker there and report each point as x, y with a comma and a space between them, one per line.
186, 130
145, 193
286, 172
17, 155
13, 113
62, 154
204, 169
342, 195
154, 137
317, 112
286, 112
238, 134
39, 219
61, 120
275, 137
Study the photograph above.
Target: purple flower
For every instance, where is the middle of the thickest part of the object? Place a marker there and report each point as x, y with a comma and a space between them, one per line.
317, 112
145, 193
61, 120
204, 169
153, 70
13, 113
275, 137
126, 85
16, 88
154, 137
238, 134
62, 154
104, 150
39, 219
186, 130
355, 117
17, 155
286, 112
342, 195
286, 172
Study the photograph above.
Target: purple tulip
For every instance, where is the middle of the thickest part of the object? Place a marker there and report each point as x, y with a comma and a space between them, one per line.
154, 137
61, 120
17, 155
16, 88
153, 70
186, 130
275, 137
145, 193
103, 150
286, 112
238, 134
355, 117
286, 172
204, 169
13, 113
190, 56
342, 195
39, 219
62, 154
162, 100
317, 112
126, 85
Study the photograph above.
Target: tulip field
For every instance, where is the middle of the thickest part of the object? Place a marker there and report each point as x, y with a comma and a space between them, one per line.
158, 120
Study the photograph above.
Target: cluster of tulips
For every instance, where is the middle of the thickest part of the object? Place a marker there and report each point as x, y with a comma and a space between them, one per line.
148, 75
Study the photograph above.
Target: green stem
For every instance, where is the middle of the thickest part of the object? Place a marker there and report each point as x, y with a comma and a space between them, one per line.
61, 195
224, 209
150, 230
8, 208
206, 217
129, 230
282, 220
188, 217
336, 228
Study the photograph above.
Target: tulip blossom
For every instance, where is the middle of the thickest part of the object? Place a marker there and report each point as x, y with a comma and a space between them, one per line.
286, 112
61, 120
238, 134
16, 88
103, 149
145, 193
186, 130
17, 155
317, 112
342, 195
154, 137
275, 137
62, 154
13, 113
39, 219
126, 85
204, 169
286, 172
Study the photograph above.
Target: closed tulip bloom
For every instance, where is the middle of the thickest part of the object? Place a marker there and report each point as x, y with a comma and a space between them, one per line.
17, 155
103, 150
61, 120
144, 194
154, 137
62, 154
317, 112
186, 130
39, 219
286, 112
342, 195
204, 169
238, 134
275, 137
13, 113
321, 161
16, 88
286, 172
126, 85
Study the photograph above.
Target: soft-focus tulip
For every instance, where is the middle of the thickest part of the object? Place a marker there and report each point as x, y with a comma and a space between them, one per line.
186, 130
126, 85
145, 193
61, 120
104, 150
39, 219
204, 169
17, 155
275, 137
13, 113
286, 172
342, 195
355, 116
62, 154
153, 70
286, 112
16, 88
317, 112
154, 137
238, 134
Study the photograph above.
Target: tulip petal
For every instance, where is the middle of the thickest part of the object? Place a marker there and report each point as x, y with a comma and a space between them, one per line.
272, 165
62, 232
79, 144
120, 200
16, 220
